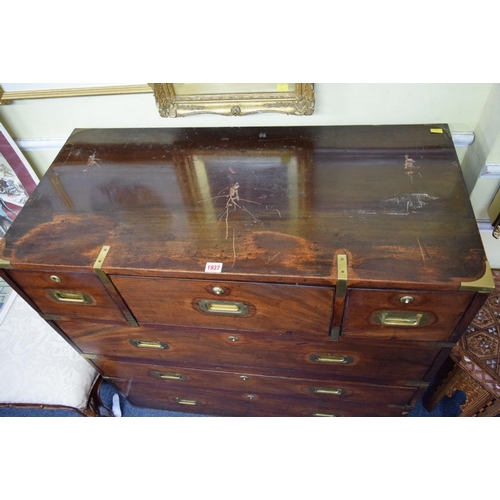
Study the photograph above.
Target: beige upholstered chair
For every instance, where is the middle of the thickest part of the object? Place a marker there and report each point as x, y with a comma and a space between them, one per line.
39, 369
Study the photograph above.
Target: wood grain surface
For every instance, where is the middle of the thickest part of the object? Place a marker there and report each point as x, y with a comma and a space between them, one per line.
276, 204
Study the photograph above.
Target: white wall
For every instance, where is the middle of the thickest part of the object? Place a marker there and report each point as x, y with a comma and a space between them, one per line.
459, 105
482, 157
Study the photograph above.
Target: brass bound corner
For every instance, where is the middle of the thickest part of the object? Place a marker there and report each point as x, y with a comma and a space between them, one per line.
483, 285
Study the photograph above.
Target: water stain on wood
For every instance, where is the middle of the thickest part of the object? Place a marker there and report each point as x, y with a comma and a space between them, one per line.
279, 250
80, 238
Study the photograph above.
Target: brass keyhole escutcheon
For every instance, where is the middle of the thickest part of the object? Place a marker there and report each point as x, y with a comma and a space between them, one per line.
56, 278
244, 377
232, 338
218, 290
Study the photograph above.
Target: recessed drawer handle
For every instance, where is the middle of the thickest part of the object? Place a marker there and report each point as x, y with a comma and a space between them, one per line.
338, 359
167, 375
326, 415
325, 390
189, 402
148, 344
401, 318
223, 307
66, 296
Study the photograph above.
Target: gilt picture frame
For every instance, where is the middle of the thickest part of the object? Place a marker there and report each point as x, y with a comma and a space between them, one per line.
233, 99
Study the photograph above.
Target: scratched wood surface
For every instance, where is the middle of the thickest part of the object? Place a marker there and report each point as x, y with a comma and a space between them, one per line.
276, 204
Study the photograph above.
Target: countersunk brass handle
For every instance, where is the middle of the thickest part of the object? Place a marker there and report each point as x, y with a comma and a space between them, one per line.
189, 402
223, 307
70, 297
401, 318
326, 390
338, 359
148, 344
166, 375
325, 415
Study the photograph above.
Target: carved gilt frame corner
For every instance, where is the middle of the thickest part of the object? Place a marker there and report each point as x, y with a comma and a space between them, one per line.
299, 101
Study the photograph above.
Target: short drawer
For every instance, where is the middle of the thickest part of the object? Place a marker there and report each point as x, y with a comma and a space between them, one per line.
296, 352
403, 315
181, 378
228, 305
70, 295
245, 404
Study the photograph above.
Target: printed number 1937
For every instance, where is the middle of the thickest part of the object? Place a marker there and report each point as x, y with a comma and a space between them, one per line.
213, 267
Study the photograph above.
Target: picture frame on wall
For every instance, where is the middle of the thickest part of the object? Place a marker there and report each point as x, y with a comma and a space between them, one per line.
17, 182
233, 99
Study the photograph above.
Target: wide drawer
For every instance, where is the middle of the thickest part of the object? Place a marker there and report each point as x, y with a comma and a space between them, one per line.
244, 404
180, 378
70, 295
404, 315
228, 305
297, 352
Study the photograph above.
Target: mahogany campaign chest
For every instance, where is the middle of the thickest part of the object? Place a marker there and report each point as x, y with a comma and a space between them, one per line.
288, 271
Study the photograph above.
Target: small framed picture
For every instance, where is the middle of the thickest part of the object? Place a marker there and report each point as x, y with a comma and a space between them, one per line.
17, 182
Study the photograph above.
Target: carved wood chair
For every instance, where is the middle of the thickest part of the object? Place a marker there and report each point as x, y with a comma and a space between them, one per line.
39, 369
474, 364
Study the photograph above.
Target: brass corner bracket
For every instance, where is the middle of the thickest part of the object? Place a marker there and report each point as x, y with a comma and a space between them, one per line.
5, 264
486, 284
99, 263
108, 284
341, 275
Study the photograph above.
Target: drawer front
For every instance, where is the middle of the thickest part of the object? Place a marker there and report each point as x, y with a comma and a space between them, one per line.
294, 352
180, 378
70, 295
244, 404
404, 315
228, 305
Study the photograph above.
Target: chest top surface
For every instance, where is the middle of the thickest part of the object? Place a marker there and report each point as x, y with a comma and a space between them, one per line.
272, 204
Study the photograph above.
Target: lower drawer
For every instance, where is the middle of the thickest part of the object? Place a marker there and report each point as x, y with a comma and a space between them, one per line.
285, 352
244, 404
180, 378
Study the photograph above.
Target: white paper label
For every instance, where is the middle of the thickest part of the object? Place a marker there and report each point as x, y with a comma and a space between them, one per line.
213, 267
